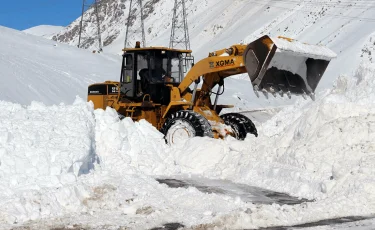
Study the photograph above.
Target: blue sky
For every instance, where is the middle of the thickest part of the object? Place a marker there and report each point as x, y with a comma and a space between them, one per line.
23, 14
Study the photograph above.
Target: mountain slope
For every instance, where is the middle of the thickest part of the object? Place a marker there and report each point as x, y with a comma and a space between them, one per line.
38, 69
44, 30
34, 68
344, 26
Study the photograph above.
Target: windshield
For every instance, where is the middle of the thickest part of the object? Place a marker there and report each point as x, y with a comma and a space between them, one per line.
168, 67
160, 66
175, 68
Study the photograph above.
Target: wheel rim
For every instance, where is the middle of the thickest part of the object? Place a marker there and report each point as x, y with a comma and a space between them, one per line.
180, 132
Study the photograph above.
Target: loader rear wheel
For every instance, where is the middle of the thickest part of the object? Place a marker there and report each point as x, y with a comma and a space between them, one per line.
185, 124
240, 124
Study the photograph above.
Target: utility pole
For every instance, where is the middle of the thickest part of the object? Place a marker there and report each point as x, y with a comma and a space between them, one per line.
85, 40
179, 33
135, 25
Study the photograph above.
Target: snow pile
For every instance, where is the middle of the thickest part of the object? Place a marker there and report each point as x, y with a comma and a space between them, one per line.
320, 150
42, 147
47, 170
138, 146
301, 49
334, 137
34, 141
307, 144
359, 89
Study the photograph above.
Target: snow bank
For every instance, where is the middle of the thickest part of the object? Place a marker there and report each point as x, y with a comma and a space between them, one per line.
130, 147
42, 147
46, 155
303, 150
321, 150
41, 143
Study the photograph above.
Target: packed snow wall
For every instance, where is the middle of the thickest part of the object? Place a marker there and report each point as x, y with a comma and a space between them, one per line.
42, 147
40, 143
321, 150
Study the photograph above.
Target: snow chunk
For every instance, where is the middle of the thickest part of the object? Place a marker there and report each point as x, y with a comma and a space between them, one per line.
38, 141
303, 49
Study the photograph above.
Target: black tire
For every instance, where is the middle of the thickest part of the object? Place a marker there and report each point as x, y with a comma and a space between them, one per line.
240, 124
185, 122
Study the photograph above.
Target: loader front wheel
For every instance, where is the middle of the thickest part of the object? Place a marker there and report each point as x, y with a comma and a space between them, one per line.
185, 124
241, 125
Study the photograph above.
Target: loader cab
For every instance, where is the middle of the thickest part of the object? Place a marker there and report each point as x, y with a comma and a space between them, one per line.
151, 71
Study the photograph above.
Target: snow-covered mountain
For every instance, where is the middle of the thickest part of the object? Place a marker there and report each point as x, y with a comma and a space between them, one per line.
38, 69
50, 72
46, 31
344, 26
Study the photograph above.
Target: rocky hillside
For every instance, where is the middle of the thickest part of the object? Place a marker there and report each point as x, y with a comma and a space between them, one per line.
342, 25
111, 12
112, 16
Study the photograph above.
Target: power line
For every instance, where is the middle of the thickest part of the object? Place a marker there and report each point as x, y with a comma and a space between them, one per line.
348, 5
85, 40
179, 32
309, 11
329, 35
132, 32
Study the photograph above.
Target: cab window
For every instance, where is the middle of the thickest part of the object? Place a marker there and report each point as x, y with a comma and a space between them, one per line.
128, 69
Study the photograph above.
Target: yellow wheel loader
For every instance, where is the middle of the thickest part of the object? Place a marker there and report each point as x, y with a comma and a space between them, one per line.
152, 85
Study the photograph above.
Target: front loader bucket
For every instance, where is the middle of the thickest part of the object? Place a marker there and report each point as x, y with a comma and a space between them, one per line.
283, 65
